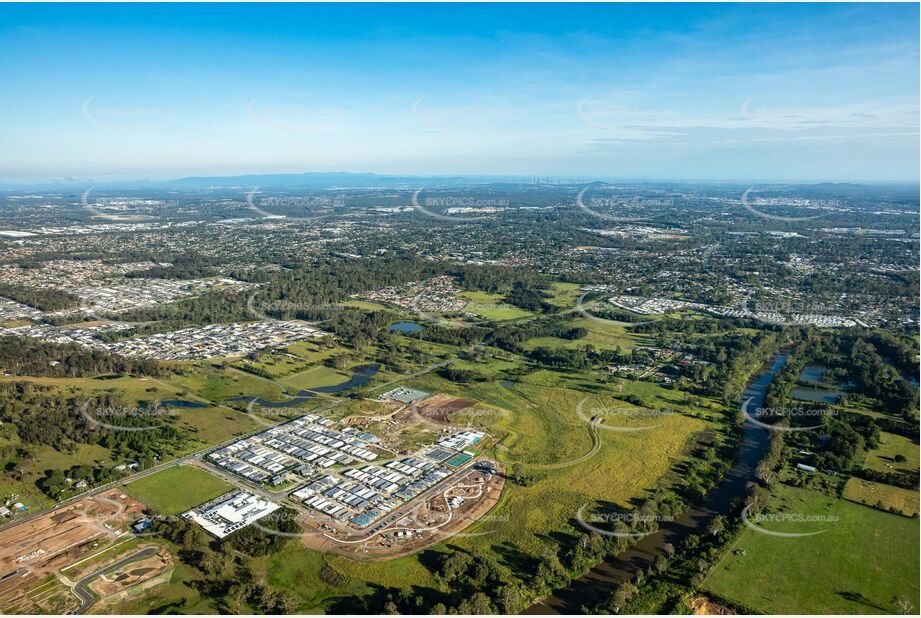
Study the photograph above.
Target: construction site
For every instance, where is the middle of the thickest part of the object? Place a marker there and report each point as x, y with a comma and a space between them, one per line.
444, 511
36, 554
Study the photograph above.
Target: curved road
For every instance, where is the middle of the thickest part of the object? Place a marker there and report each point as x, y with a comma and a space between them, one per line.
86, 597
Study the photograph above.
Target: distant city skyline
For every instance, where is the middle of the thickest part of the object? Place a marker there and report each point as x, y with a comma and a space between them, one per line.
731, 92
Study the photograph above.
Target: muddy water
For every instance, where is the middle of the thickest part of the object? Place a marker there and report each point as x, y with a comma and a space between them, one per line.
599, 583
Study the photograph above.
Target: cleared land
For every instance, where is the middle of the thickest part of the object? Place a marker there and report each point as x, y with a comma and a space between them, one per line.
600, 334
491, 307
859, 565
878, 494
177, 489
32, 552
891, 446
315, 377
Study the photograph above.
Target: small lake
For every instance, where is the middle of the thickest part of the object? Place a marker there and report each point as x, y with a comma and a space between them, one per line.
812, 374
179, 403
405, 327
817, 395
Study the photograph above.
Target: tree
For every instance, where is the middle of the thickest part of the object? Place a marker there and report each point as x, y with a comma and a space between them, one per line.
717, 525
455, 564
622, 594
478, 603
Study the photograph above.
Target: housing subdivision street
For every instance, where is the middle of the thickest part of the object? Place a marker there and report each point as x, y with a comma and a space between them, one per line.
81, 589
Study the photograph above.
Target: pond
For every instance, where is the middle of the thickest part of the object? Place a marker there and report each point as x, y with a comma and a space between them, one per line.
406, 327
812, 374
174, 403
817, 395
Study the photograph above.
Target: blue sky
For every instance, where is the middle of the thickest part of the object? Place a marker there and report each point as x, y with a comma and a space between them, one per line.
646, 92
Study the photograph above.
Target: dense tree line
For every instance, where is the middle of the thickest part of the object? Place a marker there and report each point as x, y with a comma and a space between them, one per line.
530, 299
46, 299
25, 356
462, 376
184, 266
43, 415
729, 360
898, 479
510, 337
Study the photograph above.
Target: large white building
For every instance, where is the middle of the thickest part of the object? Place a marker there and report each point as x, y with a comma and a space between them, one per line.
229, 515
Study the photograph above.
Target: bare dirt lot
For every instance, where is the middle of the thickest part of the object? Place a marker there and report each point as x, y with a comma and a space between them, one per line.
33, 552
703, 606
59, 537
137, 574
440, 408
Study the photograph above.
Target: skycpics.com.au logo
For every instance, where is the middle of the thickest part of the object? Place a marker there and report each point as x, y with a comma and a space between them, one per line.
749, 204
632, 525
612, 418
754, 522
435, 117
125, 418
456, 208
600, 199
294, 117
256, 205
125, 117
584, 309
287, 523
264, 309
96, 209
799, 414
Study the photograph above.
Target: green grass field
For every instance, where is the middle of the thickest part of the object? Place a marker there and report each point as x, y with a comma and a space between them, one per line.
604, 335
491, 307
874, 494
883, 458
367, 305
857, 566
177, 489
319, 375
490, 367
564, 295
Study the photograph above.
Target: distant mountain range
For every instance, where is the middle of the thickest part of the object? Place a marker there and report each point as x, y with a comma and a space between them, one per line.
326, 180
314, 180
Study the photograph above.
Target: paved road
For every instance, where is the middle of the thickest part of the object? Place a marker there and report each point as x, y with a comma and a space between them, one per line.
86, 597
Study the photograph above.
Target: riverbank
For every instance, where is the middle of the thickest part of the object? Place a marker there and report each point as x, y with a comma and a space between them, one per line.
602, 580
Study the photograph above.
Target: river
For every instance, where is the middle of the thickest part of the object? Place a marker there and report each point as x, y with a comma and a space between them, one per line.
599, 583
